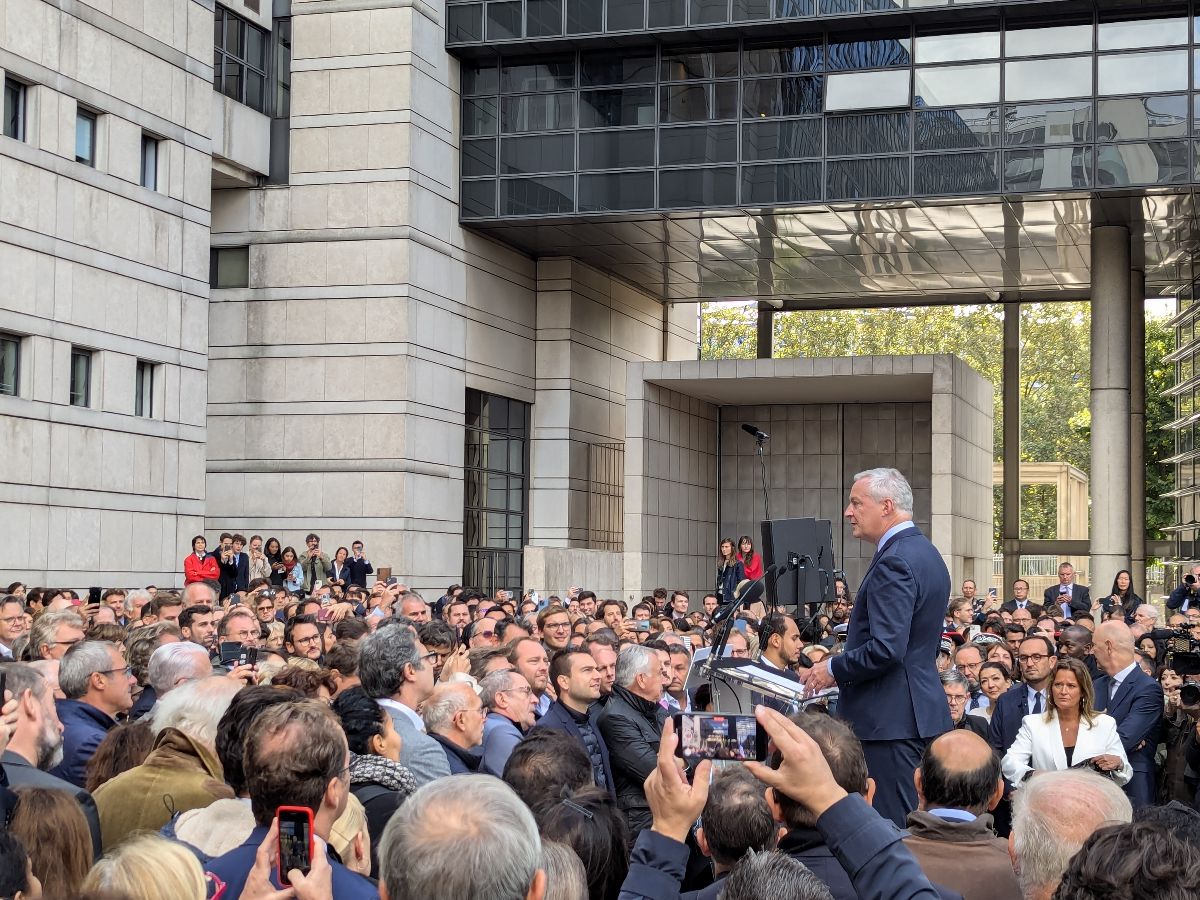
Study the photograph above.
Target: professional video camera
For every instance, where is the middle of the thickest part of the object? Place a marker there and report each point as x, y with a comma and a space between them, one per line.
1183, 657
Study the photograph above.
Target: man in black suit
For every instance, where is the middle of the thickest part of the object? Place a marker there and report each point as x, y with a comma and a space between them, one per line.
360, 567
36, 742
576, 680
958, 695
1037, 659
1135, 700
1020, 600
1067, 595
235, 566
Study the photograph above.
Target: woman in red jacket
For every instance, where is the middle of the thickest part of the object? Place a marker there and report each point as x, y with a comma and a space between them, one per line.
751, 560
199, 566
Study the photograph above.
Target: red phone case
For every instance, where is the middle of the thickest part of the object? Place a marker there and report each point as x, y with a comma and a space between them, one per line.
307, 814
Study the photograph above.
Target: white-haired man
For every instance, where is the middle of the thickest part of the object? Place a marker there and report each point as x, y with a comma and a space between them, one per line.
181, 772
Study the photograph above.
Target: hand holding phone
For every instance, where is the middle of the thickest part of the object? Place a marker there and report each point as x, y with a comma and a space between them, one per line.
295, 846
719, 736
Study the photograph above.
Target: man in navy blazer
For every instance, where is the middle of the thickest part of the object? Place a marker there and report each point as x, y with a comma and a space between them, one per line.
1075, 597
890, 691
1135, 700
235, 568
576, 679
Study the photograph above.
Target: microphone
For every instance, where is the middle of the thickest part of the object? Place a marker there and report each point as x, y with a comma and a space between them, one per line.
753, 430
748, 591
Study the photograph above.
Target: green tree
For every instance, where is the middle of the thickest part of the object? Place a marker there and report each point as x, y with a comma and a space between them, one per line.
1055, 381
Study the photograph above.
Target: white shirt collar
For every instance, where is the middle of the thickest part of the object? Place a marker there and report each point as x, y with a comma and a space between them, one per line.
895, 530
389, 703
1120, 677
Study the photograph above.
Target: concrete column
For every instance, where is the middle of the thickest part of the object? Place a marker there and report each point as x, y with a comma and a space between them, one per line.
766, 330
1110, 543
1137, 429
1011, 394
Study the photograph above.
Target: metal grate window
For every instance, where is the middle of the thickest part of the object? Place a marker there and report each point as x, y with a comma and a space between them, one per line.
606, 496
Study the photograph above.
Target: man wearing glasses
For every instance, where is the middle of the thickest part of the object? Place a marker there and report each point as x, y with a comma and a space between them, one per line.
302, 637
1037, 658
555, 625
96, 681
12, 624
54, 633
511, 707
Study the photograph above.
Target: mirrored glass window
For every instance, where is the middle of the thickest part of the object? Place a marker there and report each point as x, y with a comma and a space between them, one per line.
746, 10
1048, 123
616, 149
952, 47
479, 157
793, 9
1143, 33
479, 117
861, 135
698, 65
781, 139
585, 17
538, 153
957, 128
783, 60
616, 67
520, 75
668, 13
853, 179
614, 108
626, 15
478, 199
697, 145
1047, 41
1049, 168
697, 187
782, 183
482, 78
957, 85
1137, 118
1151, 162
503, 21
870, 54
796, 96
1143, 73
537, 112
868, 90
697, 102
537, 196
543, 17
956, 173
709, 12
1048, 79
465, 22
615, 191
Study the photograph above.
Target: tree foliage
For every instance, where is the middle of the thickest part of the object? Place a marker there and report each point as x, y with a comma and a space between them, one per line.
1055, 379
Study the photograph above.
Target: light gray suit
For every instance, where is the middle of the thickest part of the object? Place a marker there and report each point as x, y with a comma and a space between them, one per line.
423, 756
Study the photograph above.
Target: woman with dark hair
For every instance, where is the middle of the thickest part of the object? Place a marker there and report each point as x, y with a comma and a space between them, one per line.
1070, 732
293, 572
125, 746
1122, 596
730, 571
377, 779
200, 565
751, 561
339, 575
274, 555
589, 822
315, 684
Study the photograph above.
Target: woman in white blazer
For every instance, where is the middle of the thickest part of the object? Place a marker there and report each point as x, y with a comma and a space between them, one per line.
1068, 733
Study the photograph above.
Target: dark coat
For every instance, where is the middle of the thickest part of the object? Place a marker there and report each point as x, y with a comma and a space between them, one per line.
144, 703
728, 578
889, 683
975, 724
462, 762
84, 727
559, 718
1138, 709
631, 728
1035, 609
22, 773
234, 866
359, 570
1081, 600
235, 576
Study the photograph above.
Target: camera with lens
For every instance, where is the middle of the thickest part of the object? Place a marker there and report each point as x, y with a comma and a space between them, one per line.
1189, 695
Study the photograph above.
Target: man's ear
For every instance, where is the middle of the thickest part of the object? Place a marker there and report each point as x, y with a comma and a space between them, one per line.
537, 889
702, 841
919, 785
773, 804
997, 795
869, 794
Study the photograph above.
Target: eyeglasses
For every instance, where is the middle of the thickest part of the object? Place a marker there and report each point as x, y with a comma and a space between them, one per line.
71, 643
13, 620
557, 625
491, 633
127, 670
433, 654
306, 640
955, 700
1033, 658
520, 690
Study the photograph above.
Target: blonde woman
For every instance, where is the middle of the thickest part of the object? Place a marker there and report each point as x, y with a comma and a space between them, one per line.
149, 868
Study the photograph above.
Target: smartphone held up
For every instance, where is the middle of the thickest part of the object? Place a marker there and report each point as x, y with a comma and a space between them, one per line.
295, 841
719, 737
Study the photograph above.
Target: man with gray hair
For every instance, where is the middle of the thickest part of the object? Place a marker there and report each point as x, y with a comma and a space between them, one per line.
890, 692
631, 725
453, 717
170, 666
512, 709
1054, 813
395, 669
35, 744
95, 680
421, 853
957, 688
54, 633
181, 772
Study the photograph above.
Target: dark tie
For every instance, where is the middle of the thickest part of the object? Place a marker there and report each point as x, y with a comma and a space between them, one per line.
1037, 703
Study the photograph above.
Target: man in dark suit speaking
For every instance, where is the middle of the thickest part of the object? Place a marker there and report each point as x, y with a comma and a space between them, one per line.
890, 691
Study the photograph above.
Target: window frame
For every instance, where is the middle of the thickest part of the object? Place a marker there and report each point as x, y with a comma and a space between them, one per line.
81, 399
153, 145
222, 55
83, 114
143, 389
13, 341
22, 111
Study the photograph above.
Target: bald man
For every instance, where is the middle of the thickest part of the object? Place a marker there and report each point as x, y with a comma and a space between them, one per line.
1135, 700
950, 832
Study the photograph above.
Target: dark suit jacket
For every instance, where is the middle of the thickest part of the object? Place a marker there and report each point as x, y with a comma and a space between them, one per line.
235, 576
889, 683
977, 724
559, 718
359, 570
1035, 609
1138, 709
22, 773
1081, 599
1009, 709
84, 727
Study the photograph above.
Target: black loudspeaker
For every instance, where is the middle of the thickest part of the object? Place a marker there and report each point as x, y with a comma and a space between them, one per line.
812, 539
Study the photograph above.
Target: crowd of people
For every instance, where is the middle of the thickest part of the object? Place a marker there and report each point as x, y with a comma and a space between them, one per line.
500, 748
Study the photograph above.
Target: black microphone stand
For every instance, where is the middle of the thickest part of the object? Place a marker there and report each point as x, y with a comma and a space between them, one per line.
761, 439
